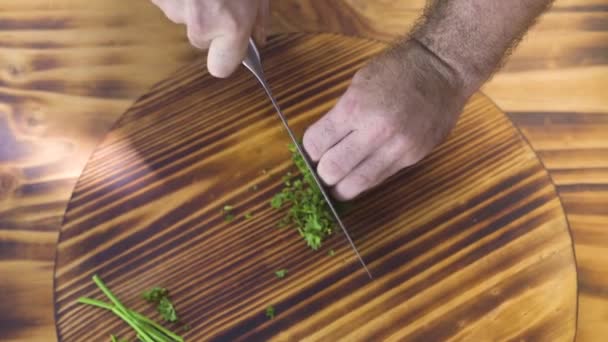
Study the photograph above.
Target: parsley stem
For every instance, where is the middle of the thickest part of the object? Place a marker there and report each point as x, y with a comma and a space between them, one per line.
130, 321
95, 302
157, 326
147, 330
109, 294
133, 315
154, 334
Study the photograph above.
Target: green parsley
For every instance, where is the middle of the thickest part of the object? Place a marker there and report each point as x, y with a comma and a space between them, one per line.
270, 312
281, 273
167, 310
248, 216
228, 216
308, 211
147, 330
160, 297
331, 252
155, 294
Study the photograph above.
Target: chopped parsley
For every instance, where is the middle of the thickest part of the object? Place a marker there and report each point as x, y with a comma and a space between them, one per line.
167, 310
160, 297
228, 216
308, 212
155, 294
281, 273
270, 312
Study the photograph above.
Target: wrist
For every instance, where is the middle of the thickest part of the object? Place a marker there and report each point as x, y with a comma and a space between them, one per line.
434, 75
469, 77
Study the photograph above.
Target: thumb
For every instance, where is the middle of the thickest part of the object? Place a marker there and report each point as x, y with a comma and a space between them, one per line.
225, 54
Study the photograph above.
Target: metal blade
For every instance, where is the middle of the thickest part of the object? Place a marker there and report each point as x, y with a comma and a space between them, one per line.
314, 174
253, 62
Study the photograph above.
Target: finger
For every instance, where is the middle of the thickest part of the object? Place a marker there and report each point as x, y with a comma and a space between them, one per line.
197, 38
262, 22
225, 54
198, 34
406, 157
382, 164
341, 159
324, 134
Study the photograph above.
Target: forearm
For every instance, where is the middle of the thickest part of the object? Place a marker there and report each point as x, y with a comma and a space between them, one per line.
472, 37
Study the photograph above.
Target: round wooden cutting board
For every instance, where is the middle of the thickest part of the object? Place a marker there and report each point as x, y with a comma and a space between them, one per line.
471, 244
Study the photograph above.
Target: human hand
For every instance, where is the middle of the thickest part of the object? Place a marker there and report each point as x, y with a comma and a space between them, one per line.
398, 107
221, 26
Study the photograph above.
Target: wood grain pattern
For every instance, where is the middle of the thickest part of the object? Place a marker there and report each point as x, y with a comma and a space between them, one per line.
68, 70
53, 52
578, 165
471, 244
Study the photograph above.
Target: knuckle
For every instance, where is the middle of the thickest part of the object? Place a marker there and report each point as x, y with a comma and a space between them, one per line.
195, 29
402, 144
196, 36
349, 104
361, 181
194, 16
330, 171
231, 23
386, 127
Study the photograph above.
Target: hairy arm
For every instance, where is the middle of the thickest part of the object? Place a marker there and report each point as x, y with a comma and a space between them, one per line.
473, 37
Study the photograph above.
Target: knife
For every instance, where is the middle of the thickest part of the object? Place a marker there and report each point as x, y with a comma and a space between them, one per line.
253, 62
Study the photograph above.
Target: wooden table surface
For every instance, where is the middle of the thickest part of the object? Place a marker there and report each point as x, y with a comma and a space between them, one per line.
471, 244
70, 68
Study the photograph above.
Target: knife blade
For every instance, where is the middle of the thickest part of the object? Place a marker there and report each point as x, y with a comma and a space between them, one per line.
253, 63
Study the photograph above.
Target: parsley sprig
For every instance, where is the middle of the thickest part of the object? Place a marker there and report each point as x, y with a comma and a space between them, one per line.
160, 296
270, 312
308, 210
281, 273
147, 330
